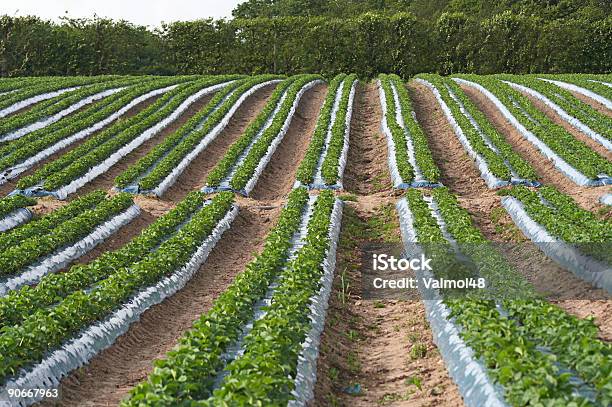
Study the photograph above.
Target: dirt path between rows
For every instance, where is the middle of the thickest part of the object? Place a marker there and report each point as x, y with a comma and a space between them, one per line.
587, 197
12, 184
195, 174
278, 177
461, 176
108, 378
601, 108
106, 180
380, 350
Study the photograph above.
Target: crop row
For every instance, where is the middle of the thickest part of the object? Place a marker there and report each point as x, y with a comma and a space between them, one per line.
509, 335
47, 328
287, 274
22, 302
571, 150
29, 91
310, 164
562, 218
19, 155
12, 203
574, 107
478, 135
102, 150
46, 245
326, 155
411, 162
240, 166
156, 166
602, 92
45, 113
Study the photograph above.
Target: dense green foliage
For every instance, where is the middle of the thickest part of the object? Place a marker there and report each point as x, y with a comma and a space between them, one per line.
328, 37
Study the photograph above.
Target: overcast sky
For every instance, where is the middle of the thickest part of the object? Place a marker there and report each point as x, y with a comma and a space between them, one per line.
149, 12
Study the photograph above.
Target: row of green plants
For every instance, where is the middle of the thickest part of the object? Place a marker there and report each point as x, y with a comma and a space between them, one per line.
510, 345
18, 304
585, 81
564, 219
496, 160
96, 149
46, 329
256, 140
584, 112
30, 87
570, 149
266, 371
308, 167
29, 145
52, 106
410, 128
330, 166
46, 223
259, 149
12, 203
19, 253
152, 169
197, 359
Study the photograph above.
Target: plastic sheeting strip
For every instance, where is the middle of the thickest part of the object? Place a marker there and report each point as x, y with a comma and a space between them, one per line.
34, 99
212, 135
467, 372
52, 119
578, 89
306, 371
606, 199
14, 171
80, 350
15, 218
64, 257
574, 122
559, 163
584, 267
101, 168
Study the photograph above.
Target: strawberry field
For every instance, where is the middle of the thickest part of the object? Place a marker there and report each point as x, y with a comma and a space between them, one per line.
203, 240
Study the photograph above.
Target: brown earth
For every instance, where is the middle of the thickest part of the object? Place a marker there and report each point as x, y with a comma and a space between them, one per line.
593, 103
555, 118
278, 177
384, 346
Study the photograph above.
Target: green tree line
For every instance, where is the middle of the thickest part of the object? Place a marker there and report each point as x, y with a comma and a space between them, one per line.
369, 43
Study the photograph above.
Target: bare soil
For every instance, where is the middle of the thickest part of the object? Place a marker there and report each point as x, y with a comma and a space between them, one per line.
278, 177
593, 103
366, 342
555, 118
367, 171
195, 174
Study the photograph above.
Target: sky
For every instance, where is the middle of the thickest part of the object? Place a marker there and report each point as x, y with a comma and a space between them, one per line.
141, 12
